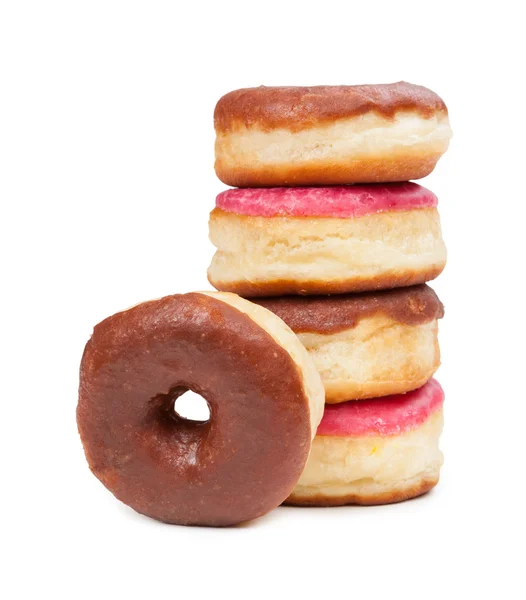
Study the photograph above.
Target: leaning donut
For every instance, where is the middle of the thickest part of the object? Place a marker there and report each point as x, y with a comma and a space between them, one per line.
264, 393
326, 135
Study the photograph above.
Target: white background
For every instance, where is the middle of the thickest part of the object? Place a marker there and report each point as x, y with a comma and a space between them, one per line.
106, 182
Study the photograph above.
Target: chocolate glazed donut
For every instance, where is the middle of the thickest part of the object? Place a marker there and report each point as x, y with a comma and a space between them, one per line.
265, 402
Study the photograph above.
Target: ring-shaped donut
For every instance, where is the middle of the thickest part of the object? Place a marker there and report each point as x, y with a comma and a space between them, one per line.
264, 393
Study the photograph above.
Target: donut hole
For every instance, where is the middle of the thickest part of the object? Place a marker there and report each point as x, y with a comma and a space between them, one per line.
191, 407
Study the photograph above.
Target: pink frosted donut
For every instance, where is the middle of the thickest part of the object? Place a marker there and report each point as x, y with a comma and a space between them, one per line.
375, 451
339, 201
325, 240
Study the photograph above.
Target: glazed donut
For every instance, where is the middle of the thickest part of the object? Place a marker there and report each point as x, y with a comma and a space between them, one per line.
375, 451
277, 241
369, 344
327, 135
264, 393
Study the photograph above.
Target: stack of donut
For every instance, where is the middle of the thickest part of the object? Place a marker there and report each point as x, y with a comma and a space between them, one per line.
325, 230
318, 369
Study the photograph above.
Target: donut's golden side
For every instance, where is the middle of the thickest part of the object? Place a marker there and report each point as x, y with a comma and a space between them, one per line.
366, 148
285, 337
371, 470
262, 256
378, 357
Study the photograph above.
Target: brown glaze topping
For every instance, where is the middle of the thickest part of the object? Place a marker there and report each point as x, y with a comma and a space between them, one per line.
332, 314
297, 108
238, 465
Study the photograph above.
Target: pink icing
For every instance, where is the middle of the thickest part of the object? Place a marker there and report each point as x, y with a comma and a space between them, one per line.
337, 201
391, 415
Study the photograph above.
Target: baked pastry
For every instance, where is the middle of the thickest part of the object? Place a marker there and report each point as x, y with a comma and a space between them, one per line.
369, 344
375, 451
278, 241
264, 393
327, 135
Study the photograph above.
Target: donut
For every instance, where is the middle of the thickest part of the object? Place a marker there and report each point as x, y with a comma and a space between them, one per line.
264, 394
369, 344
329, 135
326, 240
375, 451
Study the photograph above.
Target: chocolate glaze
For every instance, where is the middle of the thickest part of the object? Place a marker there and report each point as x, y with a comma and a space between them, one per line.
297, 108
332, 314
238, 465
